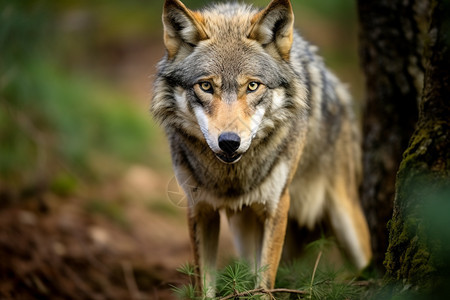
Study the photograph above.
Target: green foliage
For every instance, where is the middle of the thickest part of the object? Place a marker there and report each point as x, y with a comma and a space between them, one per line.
306, 278
65, 120
323, 282
186, 291
187, 269
237, 278
53, 119
19, 19
19, 141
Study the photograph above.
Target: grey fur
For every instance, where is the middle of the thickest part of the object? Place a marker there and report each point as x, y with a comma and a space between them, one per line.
314, 126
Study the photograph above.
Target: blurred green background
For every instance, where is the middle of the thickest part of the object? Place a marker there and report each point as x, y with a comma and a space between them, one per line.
75, 84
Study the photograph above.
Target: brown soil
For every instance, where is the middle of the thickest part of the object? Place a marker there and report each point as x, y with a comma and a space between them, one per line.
54, 248
126, 246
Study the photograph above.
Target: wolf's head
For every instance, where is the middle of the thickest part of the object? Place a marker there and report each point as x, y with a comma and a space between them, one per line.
227, 78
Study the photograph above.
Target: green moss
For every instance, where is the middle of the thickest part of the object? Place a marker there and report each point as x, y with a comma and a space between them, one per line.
412, 256
425, 145
408, 256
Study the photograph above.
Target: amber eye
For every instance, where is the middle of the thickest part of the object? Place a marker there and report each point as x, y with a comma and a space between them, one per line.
252, 86
206, 87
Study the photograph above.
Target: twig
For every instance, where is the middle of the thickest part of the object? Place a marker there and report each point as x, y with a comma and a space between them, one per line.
290, 291
261, 291
314, 272
362, 283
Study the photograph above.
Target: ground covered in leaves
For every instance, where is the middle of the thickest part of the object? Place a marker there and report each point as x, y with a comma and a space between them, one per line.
82, 248
123, 240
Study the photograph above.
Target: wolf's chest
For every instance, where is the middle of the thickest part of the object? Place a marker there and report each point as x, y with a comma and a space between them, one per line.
235, 192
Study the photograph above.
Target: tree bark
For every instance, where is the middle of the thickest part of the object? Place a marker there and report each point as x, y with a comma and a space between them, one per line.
419, 241
390, 51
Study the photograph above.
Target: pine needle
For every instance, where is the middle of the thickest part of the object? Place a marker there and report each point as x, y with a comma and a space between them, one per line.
314, 273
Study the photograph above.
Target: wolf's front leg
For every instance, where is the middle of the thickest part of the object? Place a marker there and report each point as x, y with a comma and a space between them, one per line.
273, 239
204, 225
247, 227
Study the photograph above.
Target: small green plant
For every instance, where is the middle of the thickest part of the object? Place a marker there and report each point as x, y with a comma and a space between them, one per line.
318, 277
186, 291
301, 279
237, 278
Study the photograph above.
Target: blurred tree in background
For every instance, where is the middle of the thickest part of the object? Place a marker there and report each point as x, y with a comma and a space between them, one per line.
391, 45
419, 244
405, 49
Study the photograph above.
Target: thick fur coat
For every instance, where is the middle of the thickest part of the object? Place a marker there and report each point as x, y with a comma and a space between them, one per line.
257, 127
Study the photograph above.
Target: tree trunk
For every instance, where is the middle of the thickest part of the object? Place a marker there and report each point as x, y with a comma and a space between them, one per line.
419, 241
390, 51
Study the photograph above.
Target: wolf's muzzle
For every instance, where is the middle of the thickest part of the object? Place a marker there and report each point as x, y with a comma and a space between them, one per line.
229, 142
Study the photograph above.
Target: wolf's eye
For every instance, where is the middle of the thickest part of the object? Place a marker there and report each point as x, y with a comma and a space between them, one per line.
206, 87
252, 86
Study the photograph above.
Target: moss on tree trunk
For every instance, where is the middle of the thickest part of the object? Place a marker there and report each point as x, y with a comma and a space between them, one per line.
423, 178
419, 241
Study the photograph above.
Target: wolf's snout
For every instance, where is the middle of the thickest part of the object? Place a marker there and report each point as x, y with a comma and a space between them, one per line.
229, 142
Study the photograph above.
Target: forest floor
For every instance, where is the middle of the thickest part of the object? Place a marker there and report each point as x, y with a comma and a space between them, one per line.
90, 247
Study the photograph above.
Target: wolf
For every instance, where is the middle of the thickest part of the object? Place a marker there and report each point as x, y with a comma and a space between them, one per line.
260, 129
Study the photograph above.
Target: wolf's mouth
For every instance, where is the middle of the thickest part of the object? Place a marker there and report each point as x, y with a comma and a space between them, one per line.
229, 159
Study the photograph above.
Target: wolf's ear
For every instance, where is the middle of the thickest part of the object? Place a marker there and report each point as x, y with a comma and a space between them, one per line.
181, 26
275, 25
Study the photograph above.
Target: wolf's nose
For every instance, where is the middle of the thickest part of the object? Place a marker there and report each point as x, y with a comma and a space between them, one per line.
229, 142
